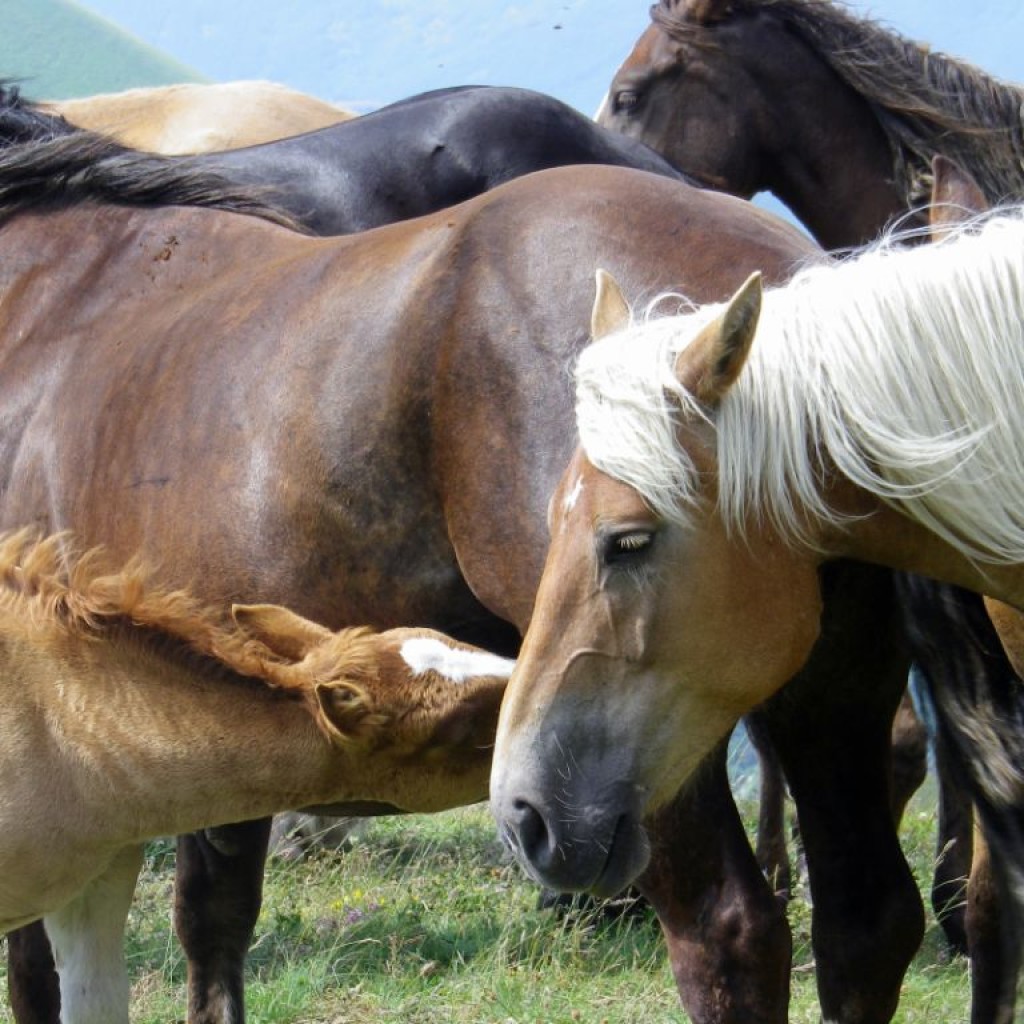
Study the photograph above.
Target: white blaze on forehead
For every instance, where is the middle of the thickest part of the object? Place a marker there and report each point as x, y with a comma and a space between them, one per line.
428, 654
573, 496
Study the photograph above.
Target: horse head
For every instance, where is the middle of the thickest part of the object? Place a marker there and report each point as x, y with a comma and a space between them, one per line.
652, 633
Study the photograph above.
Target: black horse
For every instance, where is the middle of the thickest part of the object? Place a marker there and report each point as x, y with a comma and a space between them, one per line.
411, 158
425, 153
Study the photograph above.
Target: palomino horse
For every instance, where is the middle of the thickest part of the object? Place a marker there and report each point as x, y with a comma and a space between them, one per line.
842, 125
358, 427
869, 411
200, 117
132, 711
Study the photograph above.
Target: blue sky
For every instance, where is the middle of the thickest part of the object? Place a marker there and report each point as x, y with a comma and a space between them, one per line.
366, 53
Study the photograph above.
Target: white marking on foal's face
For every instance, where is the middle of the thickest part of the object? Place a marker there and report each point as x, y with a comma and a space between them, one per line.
428, 654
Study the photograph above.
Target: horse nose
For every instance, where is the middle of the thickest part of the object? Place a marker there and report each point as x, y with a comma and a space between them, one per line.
526, 832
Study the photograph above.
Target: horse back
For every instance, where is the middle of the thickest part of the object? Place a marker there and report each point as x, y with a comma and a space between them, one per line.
365, 428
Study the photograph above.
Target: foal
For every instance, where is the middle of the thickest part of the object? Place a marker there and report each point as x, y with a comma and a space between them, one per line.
131, 711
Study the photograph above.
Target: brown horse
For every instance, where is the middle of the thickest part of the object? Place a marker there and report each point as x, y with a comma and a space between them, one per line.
132, 711
870, 411
367, 429
839, 117
200, 117
836, 115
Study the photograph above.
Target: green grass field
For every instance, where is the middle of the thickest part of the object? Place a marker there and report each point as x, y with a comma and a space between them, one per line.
424, 921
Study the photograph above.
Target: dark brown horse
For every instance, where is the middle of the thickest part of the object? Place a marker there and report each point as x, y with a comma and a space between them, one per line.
369, 428
836, 115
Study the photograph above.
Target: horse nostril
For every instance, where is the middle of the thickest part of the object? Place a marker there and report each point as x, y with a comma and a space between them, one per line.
530, 833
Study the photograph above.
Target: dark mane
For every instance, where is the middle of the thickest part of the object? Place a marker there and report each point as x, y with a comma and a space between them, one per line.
23, 121
46, 163
926, 102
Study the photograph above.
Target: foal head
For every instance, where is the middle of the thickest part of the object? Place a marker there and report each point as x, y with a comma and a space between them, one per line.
416, 708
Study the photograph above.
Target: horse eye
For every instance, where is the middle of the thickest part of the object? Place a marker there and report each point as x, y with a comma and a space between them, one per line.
627, 546
626, 100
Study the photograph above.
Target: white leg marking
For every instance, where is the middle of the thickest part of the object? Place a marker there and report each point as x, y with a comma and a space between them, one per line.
87, 936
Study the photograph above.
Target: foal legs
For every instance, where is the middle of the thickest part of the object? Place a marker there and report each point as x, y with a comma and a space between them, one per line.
87, 936
218, 890
728, 940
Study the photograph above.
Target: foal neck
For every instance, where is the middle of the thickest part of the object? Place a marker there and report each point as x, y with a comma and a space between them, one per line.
182, 745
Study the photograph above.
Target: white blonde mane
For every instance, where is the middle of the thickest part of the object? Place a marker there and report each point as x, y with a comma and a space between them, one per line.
901, 368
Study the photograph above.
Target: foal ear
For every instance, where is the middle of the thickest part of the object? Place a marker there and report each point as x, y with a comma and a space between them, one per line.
282, 630
347, 712
611, 311
955, 196
710, 364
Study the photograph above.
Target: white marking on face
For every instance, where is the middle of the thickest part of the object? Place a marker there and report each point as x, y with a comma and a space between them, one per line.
604, 104
428, 654
573, 496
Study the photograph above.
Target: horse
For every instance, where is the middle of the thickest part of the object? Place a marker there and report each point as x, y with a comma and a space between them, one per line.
193, 117
392, 476
836, 115
413, 157
890, 105
863, 410
131, 711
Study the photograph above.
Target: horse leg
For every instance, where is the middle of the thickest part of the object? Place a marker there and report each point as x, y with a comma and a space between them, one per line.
967, 678
728, 940
33, 988
909, 756
770, 848
87, 936
218, 891
995, 958
953, 853
833, 735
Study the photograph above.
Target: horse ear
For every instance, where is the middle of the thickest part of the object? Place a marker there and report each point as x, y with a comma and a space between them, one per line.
705, 12
710, 364
347, 712
611, 311
955, 196
280, 629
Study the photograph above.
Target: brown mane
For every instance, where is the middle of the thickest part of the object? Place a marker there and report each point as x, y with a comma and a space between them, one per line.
45, 580
926, 102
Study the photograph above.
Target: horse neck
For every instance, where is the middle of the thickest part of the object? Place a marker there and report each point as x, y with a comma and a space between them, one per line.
895, 375
182, 747
885, 536
829, 159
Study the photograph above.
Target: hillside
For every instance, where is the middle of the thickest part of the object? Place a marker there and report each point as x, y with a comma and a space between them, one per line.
56, 49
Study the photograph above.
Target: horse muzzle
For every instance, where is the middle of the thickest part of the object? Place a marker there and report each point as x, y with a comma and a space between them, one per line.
598, 847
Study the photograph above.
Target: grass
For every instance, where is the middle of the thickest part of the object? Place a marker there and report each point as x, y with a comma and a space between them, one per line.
425, 920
